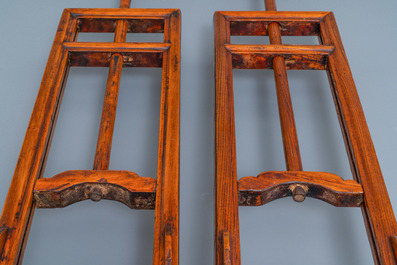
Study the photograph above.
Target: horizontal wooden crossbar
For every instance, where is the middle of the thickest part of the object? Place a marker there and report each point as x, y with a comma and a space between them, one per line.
292, 23
160, 194
98, 54
368, 189
77, 185
272, 185
302, 57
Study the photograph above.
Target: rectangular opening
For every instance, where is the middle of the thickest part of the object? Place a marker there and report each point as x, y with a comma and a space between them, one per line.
300, 40
249, 39
96, 37
105, 232
145, 37
74, 142
135, 139
259, 145
320, 139
312, 232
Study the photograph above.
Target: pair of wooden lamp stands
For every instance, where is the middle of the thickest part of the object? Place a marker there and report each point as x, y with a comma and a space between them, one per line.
29, 190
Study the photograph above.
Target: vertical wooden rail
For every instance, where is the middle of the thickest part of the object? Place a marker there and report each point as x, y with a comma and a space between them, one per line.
377, 209
166, 227
226, 194
288, 128
105, 136
19, 207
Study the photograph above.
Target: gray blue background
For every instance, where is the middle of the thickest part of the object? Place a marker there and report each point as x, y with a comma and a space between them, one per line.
280, 233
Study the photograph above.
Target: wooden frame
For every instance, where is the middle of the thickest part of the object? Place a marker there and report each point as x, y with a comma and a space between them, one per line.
28, 189
368, 189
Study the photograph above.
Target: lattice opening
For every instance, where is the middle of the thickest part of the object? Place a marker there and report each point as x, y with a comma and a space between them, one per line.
136, 135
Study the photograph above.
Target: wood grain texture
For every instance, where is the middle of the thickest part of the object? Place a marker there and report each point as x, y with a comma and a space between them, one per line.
3, 237
378, 214
105, 136
270, 5
296, 57
272, 185
292, 23
226, 190
393, 240
18, 208
226, 248
167, 194
377, 210
286, 112
108, 24
125, 3
77, 185
99, 54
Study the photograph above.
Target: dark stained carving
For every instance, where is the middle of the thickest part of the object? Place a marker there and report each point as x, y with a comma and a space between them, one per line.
73, 186
272, 185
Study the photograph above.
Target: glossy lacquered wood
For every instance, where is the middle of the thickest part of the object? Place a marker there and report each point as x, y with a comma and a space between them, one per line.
73, 186
367, 190
377, 209
272, 185
77, 185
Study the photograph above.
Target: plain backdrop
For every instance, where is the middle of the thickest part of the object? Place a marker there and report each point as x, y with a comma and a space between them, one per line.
279, 233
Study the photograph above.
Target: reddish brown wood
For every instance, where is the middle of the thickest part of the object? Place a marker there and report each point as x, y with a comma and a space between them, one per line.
167, 198
104, 144
272, 185
288, 128
136, 25
226, 248
125, 3
393, 240
378, 214
270, 5
99, 54
295, 56
292, 23
120, 32
19, 207
76, 185
377, 209
226, 195
3, 237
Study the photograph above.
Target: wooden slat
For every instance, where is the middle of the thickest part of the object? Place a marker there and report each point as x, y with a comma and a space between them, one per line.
302, 57
272, 185
167, 194
76, 185
377, 209
135, 25
3, 237
274, 16
99, 54
18, 208
124, 13
226, 190
130, 47
393, 240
